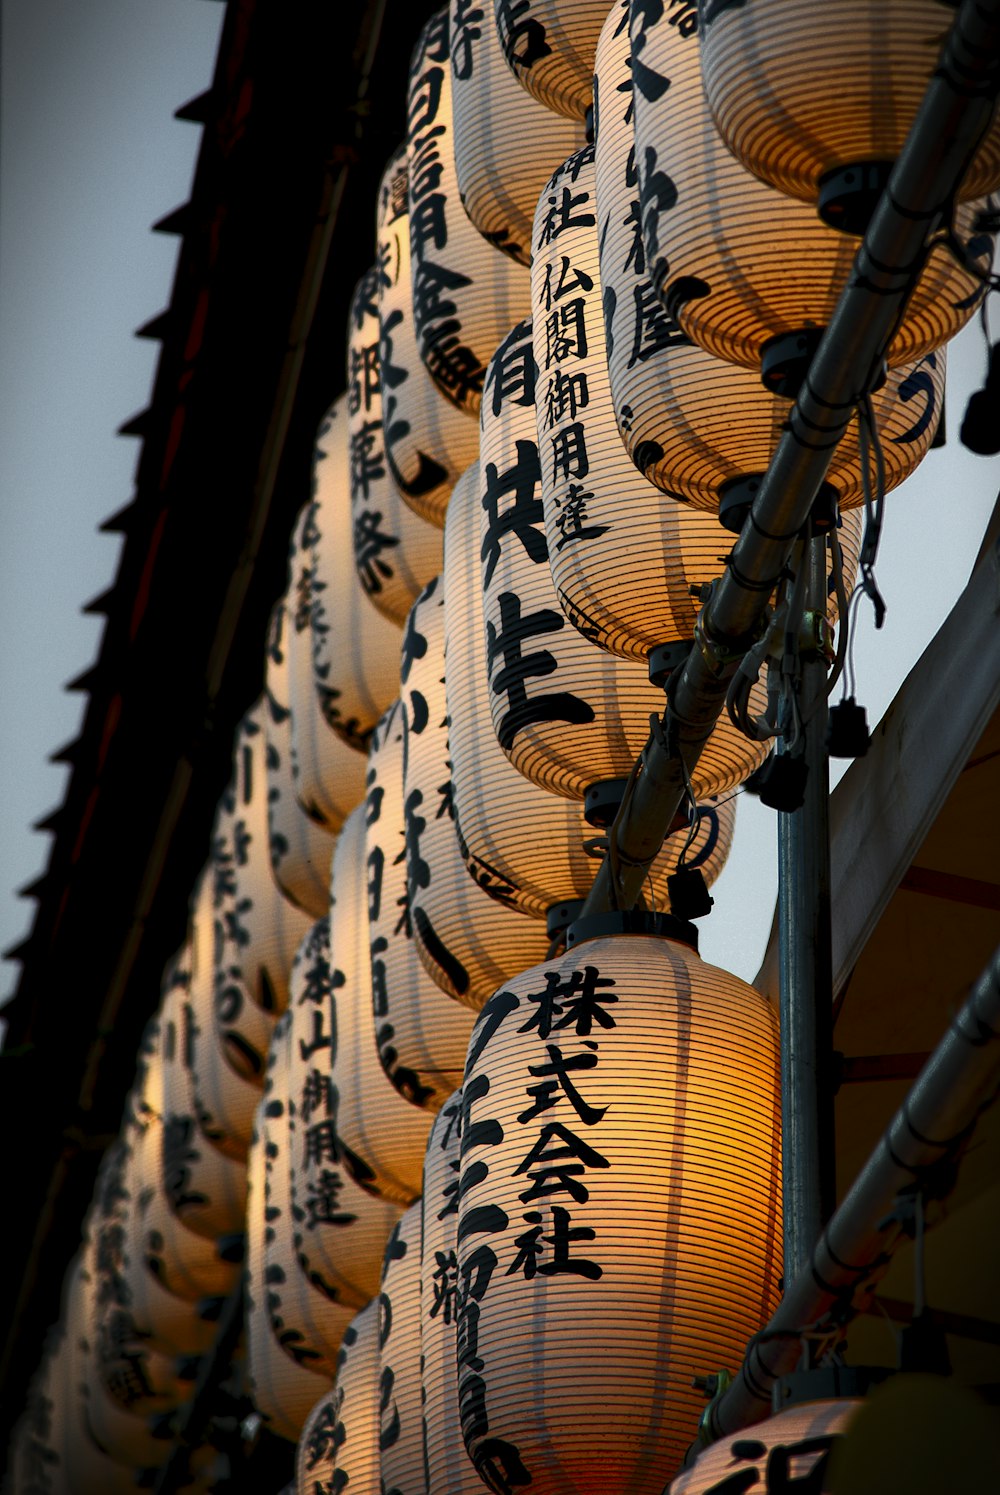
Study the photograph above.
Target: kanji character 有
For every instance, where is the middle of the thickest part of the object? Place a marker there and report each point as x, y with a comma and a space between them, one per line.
511, 376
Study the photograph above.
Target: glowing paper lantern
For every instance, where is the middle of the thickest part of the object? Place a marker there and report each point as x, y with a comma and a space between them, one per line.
468, 942
356, 1405
746, 271
428, 441
549, 46
566, 713
401, 1444
796, 1443
395, 551
301, 848
493, 803
828, 135
619, 1210
464, 292
374, 1122
696, 426
314, 1459
420, 1033
356, 669
505, 144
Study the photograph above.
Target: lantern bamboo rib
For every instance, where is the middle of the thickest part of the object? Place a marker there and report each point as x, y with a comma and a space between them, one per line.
955, 114
930, 1130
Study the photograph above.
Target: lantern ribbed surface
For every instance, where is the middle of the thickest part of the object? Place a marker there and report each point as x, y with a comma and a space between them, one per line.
549, 46
341, 1228
329, 775
468, 942
506, 144
301, 848
790, 1449
356, 1406
565, 712
493, 802
464, 291
395, 551
736, 262
619, 1211
421, 1034
315, 1455
790, 117
401, 1443
356, 668
692, 422
449, 1469
258, 928
428, 440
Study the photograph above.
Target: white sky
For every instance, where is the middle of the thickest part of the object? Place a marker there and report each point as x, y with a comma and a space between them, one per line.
91, 156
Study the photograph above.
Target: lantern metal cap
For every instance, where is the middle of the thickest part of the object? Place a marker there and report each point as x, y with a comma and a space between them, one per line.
631, 921
602, 802
561, 915
848, 194
666, 658
826, 1383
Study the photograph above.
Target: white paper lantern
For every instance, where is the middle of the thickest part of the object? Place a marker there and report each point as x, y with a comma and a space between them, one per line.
374, 1122
506, 145
356, 1406
395, 551
696, 426
738, 264
421, 1034
566, 713
522, 844
619, 1211
315, 1456
468, 942
464, 292
356, 669
549, 46
428, 440
829, 134
790, 1449
401, 1444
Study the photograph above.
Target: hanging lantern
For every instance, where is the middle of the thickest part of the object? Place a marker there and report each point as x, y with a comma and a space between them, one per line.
301, 849
829, 136
401, 1444
315, 1456
748, 273
428, 441
468, 942
505, 144
549, 46
493, 803
619, 1209
374, 1122
356, 1405
420, 1034
696, 426
568, 715
356, 669
395, 551
449, 1470
792, 1448
464, 292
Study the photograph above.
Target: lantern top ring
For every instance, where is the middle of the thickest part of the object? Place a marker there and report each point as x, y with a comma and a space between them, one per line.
631, 921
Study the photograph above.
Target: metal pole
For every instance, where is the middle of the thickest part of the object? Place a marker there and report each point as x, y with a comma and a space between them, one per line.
806, 962
956, 112
195, 1416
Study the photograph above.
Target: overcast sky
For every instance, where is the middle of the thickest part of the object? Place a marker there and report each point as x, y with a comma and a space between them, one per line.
90, 157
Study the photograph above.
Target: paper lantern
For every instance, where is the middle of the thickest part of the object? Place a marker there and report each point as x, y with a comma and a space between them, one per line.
420, 1033
505, 144
522, 844
829, 135
328, 774
566, 713
464, 292
401, 1444
696, 426
794, 1447
356, 669
315, 1456
746, 271
619, 1210
301, 848
549, 46
395, 551
356, 1406
374, 1122
467, 941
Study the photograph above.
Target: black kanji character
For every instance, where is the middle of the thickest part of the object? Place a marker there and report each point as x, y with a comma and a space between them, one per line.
571, 517
576, 1000
517, 667
565, 332
525, 515
531, 1246
566, 395
322, 1201
547, 1093
558, 1158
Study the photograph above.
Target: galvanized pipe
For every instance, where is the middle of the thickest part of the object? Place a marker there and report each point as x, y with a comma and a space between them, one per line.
955, 113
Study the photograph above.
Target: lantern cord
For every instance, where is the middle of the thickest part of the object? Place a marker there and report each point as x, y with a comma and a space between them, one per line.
843, 610
869, 447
